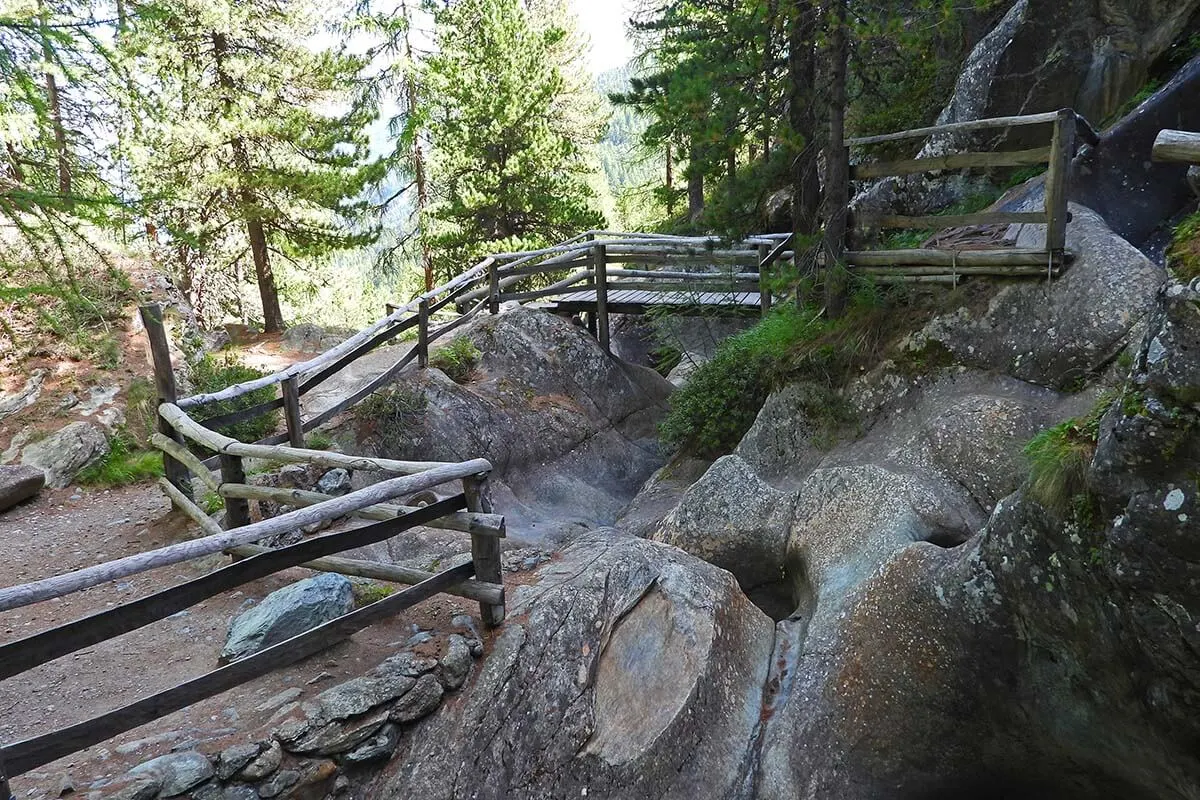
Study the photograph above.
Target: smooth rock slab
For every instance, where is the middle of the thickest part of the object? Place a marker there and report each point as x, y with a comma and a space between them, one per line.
18, 484
176, 772
64, 454
288, 612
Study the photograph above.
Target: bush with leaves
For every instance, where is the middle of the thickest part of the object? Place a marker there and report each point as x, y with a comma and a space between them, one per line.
457, 359
213, 373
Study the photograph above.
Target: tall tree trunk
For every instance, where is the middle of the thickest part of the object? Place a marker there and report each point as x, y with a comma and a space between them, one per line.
255, 231
806, 184
670, 183
418, 156
731, 165
695, 190
837, 163
54, 105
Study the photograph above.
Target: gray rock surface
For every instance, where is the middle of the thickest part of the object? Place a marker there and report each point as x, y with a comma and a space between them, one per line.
335, 482
175, 772
628, 669
18, 484
287, 612
27, 395
63, 454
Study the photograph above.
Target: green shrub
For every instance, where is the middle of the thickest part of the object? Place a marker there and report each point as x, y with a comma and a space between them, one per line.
319, 441
457, 359
1183, 256
124, 464
1059, 458
389, 414
713, 411
213, 373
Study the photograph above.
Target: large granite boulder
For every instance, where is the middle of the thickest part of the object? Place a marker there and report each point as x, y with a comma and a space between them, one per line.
18, 484
64, 454
627, 669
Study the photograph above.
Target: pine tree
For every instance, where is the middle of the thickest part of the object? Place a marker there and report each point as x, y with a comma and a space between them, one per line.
511, 120
259, 152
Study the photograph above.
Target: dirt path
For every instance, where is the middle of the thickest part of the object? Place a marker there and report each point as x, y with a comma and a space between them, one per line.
72, 528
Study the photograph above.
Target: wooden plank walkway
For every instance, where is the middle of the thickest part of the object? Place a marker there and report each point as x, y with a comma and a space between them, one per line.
632, 301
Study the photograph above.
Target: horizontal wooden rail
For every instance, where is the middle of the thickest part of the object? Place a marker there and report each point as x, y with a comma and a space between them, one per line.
59, 585
935, 221
962, 258
491, 593
684, 287
48, 645
30, 754
220, 443
995, 270
681, 276
1010, 158
959, 127
465, 522
185, 457
1177, 146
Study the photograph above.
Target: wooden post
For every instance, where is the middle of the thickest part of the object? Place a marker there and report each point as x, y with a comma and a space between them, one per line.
599, 261
389, 309
291, 411
493, 288
764, 279
237, 511
164, 384
485, 550
1062, 147
423, 334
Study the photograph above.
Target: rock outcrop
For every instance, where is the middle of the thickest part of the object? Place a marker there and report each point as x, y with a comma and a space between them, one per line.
18, 484
63, 454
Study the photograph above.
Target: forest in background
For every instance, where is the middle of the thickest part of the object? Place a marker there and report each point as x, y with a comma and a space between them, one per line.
285, 160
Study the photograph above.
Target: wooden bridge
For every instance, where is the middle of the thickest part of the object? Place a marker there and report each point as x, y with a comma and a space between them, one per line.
596, 274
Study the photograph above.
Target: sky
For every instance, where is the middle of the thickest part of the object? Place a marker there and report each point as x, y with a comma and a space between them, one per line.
604, 23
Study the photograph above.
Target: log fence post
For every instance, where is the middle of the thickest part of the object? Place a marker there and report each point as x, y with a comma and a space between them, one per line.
600, 261
164, 385
493, 288
1062, 148
290, 388
485, 550
237, 510
423, 334
764, 279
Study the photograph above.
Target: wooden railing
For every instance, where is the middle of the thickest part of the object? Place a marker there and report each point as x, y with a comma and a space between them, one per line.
947, 266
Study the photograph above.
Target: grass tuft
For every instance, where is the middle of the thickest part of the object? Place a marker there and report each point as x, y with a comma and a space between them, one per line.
457, 359
1183, 256
124, 464
1059, 459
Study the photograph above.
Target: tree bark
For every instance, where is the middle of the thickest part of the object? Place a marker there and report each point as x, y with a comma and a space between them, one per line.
806, 184
670, 183
837, 163
54, 104
255, 229
695, 179
418, 156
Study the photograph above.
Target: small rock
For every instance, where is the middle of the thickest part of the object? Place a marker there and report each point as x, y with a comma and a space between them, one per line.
419, 639
407, 663
18, 484
335, 482
378, 747
138, 788
280, 782
209, 791
240, 791
420, 701
234, 758
66, 785
264, 765
360, 695
284, 697
456, 664
341, 784
70, 400
291, 730
338, 737
288, 612
324, 676
178, 772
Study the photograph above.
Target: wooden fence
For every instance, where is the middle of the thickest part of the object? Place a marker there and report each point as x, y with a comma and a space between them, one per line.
927, 265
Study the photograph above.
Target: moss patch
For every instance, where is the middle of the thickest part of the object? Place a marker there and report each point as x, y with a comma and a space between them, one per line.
1183, 256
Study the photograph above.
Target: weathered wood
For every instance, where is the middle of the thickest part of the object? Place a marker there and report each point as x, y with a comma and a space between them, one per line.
547, 266
493, 289
704, 287
942, 269
70, 637
185, 457
764, 266
956, 127
912, 166
490, 593
287, 455
549, 291
963, 258
481, 524
485, 550
682, 276
164, 387
59, 585
1062, 145
291, 411
241, 415
24, 756
237, 512
423, 335
208, 526
953, 280
600, 267
938, 222
334, 354
1179, 146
